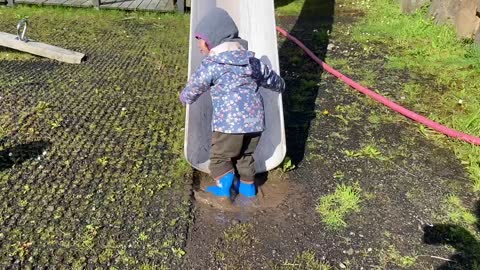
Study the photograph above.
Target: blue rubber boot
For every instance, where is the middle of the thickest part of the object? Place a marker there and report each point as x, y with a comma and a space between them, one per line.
222, 189
247, 190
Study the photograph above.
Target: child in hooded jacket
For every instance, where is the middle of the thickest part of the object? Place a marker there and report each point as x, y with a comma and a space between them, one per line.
233, 75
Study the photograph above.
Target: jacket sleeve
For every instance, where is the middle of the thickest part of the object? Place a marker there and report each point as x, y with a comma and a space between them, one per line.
198, 84
265, 76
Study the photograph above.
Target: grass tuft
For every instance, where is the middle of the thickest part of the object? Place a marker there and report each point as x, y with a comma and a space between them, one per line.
457, 213
306, 260
334, 207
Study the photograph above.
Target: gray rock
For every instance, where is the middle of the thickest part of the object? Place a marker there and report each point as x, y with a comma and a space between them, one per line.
467, 22
411, 6
443, 10
461, 13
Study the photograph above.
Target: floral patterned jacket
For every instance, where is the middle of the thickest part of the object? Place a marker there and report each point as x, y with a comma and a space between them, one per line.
233, 78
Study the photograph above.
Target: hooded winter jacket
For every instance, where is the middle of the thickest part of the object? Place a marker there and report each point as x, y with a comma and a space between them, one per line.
233, 76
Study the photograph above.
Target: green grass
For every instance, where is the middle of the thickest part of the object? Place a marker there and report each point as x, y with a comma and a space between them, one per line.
334, 207
303, 7
393, 256
289, 7
233, 246
306, 260
419, 45
368, 150
457, 213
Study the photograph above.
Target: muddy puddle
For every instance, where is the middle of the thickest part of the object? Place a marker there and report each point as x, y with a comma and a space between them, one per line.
272, 191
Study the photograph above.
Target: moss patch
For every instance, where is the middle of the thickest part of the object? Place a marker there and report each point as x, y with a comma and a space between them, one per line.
90, 168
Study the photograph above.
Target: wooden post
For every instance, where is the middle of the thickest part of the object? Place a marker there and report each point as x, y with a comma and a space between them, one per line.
96, 3
10, 3
181, 6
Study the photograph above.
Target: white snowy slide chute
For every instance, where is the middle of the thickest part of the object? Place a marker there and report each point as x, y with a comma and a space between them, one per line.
256, 22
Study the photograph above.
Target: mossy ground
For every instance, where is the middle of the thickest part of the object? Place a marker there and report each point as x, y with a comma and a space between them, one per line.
91, 171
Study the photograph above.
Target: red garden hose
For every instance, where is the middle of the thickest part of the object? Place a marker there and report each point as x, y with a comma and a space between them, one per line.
392, 105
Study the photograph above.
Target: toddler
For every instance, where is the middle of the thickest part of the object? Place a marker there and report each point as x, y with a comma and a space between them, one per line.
233, 75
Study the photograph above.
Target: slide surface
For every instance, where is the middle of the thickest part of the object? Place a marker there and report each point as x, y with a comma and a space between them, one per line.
256, 22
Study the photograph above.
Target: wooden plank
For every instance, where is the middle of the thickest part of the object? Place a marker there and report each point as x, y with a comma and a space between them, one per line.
35, 2
161, 5
153, 5
169, 6
41, 49
126, 4
71, 3
144, 4
10, 3
87, 3
116, 4
78, 3
134, 4
54, 2
181, 6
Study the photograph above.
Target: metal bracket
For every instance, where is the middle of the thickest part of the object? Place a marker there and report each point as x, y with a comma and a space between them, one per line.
22, 33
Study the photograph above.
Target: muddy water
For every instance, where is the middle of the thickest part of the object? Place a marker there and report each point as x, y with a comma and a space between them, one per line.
271, 193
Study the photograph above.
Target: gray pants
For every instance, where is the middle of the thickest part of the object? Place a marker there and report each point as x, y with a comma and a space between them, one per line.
233, 150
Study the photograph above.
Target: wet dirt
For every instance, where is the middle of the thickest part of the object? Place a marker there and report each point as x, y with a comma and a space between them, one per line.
402, 191
269, 195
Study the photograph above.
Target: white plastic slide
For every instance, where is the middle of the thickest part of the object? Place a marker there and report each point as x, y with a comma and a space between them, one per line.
256, 22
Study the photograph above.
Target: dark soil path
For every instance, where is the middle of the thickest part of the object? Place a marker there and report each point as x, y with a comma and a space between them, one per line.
404, 186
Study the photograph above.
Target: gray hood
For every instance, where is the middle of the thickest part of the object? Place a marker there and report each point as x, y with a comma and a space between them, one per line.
218, 27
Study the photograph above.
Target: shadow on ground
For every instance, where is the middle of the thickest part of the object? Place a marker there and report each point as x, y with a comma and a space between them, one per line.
461, 239
312, 26
20, 153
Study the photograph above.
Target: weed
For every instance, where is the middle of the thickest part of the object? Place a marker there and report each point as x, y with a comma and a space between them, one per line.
306, 260
238, 233
367, 151
178, 252
334, 207
393, 255
57, 122
370, 151
143, 236
457, 213
338, 175
287, 165
233, 247
103, 161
